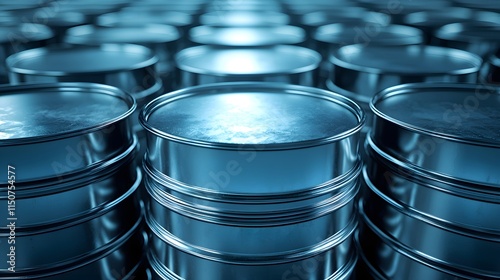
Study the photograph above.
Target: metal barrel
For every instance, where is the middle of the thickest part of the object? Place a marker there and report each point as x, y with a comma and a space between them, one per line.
476, 37
244, 18
282, 63
131, 68
430, 21
328, 39
161, 39
19, 37
281, 179
136, 18
420, 212
359, 72
247, 36
72, 202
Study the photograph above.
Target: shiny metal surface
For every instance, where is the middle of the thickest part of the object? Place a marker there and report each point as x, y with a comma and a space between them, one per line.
450, 246
244, 18
456, 203
19, 37
76, 195
163, 186
128, 67
211, 64
77, 238
458, 122
332, 260
247, 36
382, 258
295, 226
366, 70
53, 129
123, 258
269, 128
476, 37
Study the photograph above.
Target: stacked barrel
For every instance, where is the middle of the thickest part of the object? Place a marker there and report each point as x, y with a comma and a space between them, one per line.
431, 195
252, 181
69, 204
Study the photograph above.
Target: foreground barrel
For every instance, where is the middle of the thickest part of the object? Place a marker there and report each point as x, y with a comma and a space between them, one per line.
432, 183
253, 180
71, 197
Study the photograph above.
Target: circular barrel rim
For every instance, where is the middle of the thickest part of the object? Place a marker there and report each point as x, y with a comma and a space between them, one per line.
12, 60
84, 34
293, 34
74, 87
434, 50
229, 87
409, 88
277, 49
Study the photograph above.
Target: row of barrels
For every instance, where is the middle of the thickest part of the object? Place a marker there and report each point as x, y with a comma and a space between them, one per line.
242, 177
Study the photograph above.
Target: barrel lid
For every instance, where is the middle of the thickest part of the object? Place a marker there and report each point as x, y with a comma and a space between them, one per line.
406, 60
463, 112
25, 32
221, 61
346, 34
61, 61
344, 15
138, 18
32, 113
62, 19
247, 36
92, 35
248, 115
244, 18
470, 32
